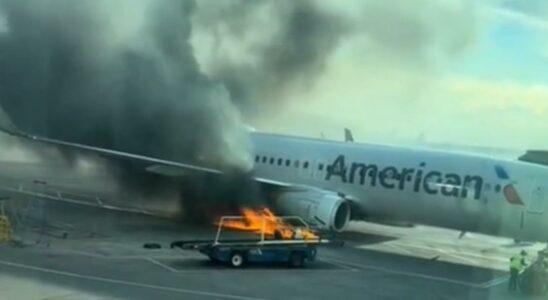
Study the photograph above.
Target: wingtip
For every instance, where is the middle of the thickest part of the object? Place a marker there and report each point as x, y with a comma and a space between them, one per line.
7, 126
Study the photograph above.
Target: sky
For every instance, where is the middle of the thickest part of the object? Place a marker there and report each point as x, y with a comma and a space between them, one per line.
444, 72
479, 78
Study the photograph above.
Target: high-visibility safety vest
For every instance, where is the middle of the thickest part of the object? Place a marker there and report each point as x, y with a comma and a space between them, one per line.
5, 229
516, 262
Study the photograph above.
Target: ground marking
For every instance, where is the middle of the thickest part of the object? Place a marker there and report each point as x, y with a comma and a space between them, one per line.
127, 283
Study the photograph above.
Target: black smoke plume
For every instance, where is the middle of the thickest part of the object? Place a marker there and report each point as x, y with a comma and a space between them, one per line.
124, 75
61, 78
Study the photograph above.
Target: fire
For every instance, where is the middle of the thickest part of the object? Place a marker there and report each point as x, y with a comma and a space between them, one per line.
254, 220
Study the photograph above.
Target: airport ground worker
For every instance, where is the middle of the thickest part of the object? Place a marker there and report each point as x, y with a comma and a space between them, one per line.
5, 229
5, 225
517, 263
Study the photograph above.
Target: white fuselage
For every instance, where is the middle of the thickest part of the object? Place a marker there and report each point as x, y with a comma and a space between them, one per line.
453, 190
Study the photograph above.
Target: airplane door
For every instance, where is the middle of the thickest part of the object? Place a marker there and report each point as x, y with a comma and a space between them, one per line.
538, 200
533, 217
471, 207
318, 168
313, 169
306, 169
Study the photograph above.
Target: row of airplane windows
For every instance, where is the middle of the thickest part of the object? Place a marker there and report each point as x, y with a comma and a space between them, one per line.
286, 162
305, 164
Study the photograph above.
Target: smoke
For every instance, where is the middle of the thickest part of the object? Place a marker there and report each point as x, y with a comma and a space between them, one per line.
169, 79
274, 50
115, 74
265, 50
126, 74
174, 79
374, 61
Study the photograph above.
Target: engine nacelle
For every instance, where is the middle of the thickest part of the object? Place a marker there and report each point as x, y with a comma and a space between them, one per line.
326, 210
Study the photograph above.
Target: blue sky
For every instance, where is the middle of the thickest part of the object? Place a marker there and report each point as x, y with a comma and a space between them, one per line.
491, 91
510, 48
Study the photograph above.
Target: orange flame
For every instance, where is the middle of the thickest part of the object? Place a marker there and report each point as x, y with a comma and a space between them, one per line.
254, 220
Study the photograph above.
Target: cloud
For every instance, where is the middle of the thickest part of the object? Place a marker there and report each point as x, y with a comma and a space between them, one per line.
391, 90
486, 96
530, 20
530, 7
532, 15
396, 106
381, 77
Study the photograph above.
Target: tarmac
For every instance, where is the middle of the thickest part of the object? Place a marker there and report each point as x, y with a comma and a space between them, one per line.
70, 244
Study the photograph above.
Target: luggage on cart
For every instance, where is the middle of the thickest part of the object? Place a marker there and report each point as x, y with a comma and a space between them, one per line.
533, 280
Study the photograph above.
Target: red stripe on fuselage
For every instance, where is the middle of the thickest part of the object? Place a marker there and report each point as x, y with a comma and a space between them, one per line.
511, 195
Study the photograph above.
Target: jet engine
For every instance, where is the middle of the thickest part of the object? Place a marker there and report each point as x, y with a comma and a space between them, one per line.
324, 210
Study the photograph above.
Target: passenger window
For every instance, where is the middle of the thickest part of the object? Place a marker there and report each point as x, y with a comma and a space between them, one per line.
305, 165
264, 159
257, 158
320, 167
287, 162
280, 161
272, 160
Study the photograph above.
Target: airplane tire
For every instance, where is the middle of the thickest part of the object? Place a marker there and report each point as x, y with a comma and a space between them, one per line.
296, 260
237, 260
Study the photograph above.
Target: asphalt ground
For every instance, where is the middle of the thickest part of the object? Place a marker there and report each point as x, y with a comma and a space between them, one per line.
70, 250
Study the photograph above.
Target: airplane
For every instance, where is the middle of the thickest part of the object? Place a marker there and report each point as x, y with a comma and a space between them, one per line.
328, 183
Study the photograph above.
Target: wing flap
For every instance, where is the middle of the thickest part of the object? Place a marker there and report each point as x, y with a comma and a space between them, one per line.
169, 171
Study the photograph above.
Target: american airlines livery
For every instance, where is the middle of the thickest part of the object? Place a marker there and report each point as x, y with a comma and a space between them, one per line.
329, 183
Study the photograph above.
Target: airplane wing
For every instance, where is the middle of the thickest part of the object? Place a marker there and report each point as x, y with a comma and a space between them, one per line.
535, 156
151, 164
175, 169
154, 164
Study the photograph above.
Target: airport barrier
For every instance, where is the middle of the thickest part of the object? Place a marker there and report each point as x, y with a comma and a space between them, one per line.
5, 229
